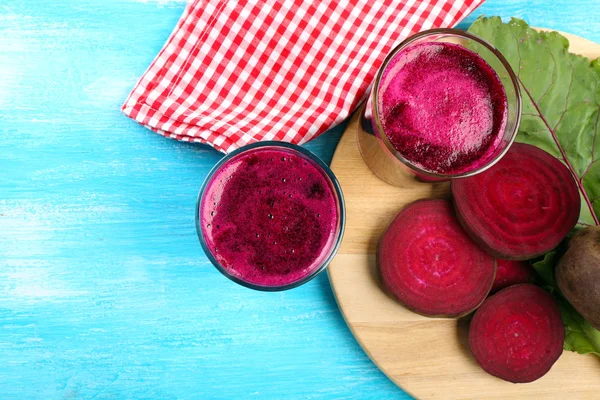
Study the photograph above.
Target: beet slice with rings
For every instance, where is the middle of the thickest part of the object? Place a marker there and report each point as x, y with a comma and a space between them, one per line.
517, 334
430, 265
511, 272
520, 208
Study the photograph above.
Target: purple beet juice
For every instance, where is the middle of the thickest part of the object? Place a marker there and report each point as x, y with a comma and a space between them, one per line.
269, 216
442, 107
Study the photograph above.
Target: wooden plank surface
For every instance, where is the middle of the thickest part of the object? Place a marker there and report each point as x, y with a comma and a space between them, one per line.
427, 357
104, 290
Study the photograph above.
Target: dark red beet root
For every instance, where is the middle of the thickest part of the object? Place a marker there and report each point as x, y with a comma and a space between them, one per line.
517, 334
430, 265
520, 208
510, 272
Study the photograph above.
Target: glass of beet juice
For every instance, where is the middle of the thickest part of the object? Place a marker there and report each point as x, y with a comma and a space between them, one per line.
270, 216
445, 104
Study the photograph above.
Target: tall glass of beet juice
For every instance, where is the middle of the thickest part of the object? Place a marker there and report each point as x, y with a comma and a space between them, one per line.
445, 104
270, 216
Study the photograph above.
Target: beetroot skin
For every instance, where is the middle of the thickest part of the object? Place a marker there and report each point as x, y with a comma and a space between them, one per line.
510, 272
520, 208
517, 334
430, 265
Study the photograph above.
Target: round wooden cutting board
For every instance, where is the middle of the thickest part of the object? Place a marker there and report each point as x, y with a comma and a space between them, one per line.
427, 357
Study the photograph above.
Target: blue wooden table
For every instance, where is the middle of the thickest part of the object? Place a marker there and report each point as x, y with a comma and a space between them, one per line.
104, 289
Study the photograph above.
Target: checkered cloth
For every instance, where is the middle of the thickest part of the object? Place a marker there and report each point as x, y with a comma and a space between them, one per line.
237, 72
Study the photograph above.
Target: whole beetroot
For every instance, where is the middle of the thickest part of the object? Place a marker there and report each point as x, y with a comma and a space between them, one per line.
578, 274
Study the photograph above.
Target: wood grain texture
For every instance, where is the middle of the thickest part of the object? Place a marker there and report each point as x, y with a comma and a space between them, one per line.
427, 357
104, 289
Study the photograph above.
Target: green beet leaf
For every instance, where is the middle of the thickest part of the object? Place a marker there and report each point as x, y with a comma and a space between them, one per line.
580, 335
561, 111
561, 100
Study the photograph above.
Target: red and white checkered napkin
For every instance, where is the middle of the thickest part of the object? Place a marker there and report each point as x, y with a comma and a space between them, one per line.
236, 72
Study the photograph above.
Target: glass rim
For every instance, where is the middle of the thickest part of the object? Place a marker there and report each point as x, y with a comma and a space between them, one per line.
340, 203
462, 34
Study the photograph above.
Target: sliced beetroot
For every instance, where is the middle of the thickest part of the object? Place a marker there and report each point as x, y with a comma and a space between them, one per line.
511, 272
517, 334
520, 208
430, 265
